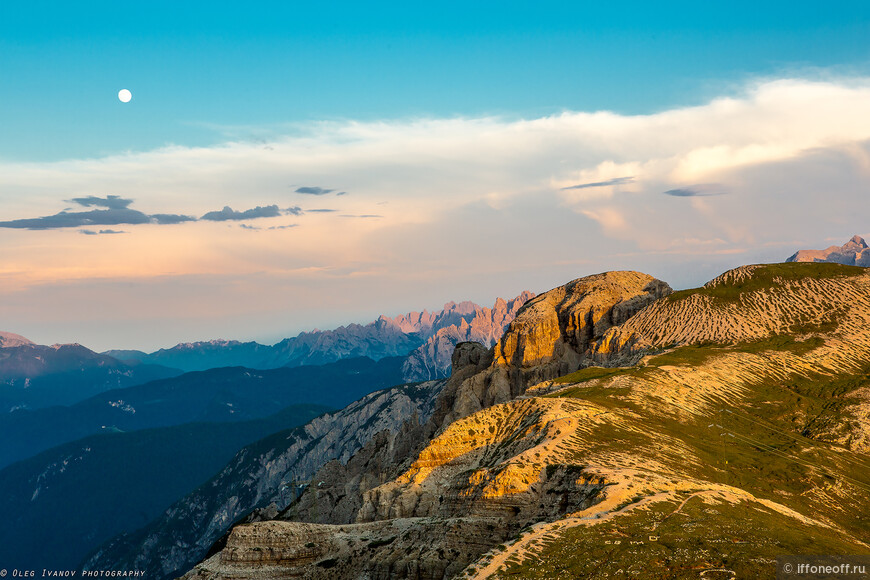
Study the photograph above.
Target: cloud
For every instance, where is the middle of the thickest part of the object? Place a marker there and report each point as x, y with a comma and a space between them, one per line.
793, 153
611, 219
97, 217
285, 227
228, 213
93, 233
705, 190
315, 191
368, 215
124, 215
110, 201
614, 181
249, 227
321, 210
171, 218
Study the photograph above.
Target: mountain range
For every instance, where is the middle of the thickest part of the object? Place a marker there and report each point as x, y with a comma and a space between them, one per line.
56, 459
430, 335
220, 395
34, 376
616, 427
852, 253
64, 502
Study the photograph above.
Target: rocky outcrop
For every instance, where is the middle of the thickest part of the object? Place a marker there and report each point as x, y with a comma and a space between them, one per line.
399, 548
853, 253
552, 335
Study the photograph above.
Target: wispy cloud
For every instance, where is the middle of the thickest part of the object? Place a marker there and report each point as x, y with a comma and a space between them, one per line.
704, 190
606, 183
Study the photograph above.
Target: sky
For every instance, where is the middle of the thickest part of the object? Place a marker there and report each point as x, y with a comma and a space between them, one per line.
286, 166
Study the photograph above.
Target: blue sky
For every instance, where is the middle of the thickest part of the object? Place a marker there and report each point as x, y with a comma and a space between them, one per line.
284, 166
201, 71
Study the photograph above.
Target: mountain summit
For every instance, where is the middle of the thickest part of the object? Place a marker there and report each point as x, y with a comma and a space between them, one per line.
853, 253
9, 340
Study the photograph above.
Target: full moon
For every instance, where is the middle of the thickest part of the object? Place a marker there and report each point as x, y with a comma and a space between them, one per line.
124, 96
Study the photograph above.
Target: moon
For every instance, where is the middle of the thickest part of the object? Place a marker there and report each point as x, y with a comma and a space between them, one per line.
124, 96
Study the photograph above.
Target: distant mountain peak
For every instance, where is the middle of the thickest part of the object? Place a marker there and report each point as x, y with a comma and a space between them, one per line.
10, 339
855, 252
858, 240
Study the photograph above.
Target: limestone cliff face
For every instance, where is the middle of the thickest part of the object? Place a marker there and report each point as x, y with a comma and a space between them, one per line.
562, 324
552, 335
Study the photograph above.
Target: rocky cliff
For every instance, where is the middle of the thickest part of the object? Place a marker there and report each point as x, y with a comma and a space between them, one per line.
552, 335
740, 434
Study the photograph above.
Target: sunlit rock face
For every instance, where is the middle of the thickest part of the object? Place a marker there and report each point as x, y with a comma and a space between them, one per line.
554, 334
